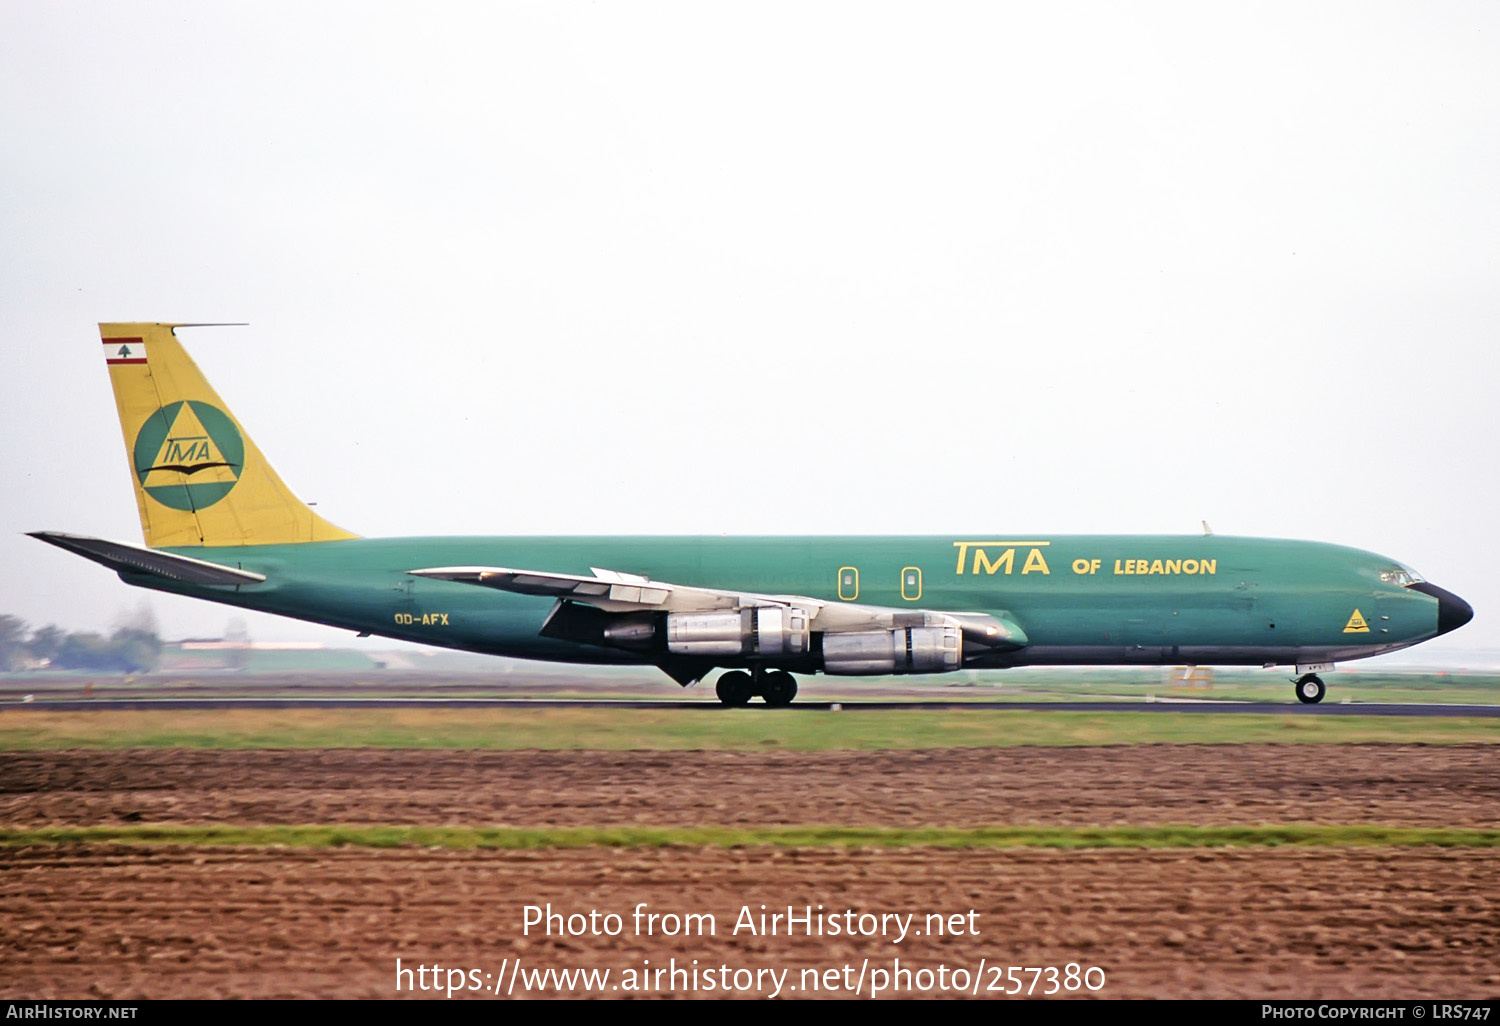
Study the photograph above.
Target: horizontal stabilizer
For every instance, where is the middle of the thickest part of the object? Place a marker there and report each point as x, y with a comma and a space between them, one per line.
148, 561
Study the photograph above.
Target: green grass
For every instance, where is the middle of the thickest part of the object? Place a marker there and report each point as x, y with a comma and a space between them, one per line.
333, 836
677, 729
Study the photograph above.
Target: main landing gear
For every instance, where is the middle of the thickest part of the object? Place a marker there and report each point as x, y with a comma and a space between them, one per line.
1310, 689
737, 687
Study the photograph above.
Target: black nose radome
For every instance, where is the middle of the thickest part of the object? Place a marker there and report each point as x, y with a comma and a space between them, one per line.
1453, 612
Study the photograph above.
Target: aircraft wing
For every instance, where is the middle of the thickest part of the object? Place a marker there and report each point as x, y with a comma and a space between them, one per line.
611, 591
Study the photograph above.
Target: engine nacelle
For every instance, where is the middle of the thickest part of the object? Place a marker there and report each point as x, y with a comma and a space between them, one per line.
905, 650
769, 631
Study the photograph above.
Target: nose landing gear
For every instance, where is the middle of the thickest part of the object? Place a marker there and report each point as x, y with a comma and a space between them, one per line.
1309, 688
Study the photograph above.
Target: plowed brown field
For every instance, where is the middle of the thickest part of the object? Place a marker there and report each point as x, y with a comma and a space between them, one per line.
120, 921
1406, 785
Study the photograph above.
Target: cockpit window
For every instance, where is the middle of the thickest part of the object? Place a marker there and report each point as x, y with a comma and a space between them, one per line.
1404, 576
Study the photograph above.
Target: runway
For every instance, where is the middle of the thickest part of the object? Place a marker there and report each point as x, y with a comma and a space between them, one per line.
1169, 706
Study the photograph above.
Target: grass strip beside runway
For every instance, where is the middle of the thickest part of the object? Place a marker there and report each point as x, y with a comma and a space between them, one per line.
743, 729
374, 836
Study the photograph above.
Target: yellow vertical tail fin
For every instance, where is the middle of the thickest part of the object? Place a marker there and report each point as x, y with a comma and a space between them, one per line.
199, 479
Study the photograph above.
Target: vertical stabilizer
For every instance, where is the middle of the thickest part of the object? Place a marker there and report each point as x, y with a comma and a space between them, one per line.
198, 477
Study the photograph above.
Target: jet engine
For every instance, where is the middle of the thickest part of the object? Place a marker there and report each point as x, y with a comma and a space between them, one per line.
765, 631
904, 650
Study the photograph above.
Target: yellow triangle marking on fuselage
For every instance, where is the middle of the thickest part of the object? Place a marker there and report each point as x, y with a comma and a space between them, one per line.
188, 446
1356, 624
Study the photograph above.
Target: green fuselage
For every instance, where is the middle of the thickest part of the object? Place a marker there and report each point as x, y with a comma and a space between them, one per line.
1201, 599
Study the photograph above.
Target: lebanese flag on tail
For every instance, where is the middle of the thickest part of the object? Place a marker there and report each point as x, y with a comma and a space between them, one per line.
124, 350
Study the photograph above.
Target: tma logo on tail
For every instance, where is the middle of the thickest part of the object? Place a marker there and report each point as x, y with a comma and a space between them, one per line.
188, 455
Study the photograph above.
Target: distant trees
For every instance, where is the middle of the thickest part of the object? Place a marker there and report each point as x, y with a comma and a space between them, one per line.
13, 653
47, 642
133, 647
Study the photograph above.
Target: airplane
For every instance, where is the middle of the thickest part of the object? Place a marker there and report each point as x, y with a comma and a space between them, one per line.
219, 524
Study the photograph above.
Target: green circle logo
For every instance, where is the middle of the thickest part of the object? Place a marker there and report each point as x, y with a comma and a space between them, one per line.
188, 455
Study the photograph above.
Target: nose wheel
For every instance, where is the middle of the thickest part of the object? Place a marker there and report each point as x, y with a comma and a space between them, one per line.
1310, 689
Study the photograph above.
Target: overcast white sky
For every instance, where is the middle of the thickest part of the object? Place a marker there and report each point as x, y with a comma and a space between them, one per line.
563, 268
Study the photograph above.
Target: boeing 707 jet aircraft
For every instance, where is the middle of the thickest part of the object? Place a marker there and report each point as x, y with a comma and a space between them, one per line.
220, 525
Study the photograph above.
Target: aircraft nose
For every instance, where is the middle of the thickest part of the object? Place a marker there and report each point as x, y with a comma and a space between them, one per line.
1453, 612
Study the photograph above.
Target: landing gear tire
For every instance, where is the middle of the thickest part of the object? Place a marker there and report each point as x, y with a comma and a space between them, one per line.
735, 688
779, 688
1310, 689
